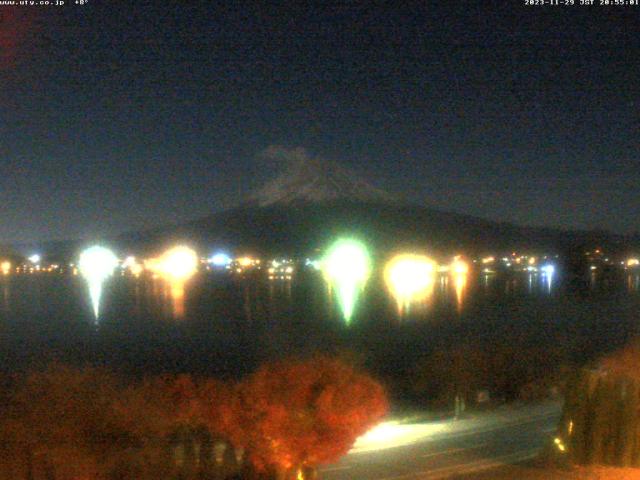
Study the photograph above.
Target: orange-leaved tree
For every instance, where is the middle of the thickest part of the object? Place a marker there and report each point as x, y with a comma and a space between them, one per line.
302, 413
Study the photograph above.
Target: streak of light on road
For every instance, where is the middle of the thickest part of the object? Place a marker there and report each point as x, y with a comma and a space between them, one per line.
437, 450
392, 434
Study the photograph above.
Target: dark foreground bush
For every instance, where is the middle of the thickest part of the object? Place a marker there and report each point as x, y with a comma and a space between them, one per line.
601, 418
67, 423
507, 371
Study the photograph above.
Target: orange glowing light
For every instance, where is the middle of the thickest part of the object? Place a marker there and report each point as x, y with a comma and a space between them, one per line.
179, 263
5, 267
460, 285
176, 266
246, 261
459, 267
410, 279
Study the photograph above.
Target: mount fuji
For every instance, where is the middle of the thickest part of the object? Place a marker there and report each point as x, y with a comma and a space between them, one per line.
310, 180
312, 201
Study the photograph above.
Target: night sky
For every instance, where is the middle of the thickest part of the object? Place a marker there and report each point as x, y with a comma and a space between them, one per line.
124, 115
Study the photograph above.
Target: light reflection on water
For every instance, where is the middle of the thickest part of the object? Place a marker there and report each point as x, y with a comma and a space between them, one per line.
225, 322
460, 282
154, 297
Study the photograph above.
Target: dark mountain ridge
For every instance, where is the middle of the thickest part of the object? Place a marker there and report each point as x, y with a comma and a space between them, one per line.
314, 201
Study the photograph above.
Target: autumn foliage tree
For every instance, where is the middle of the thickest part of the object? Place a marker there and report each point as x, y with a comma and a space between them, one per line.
297, 414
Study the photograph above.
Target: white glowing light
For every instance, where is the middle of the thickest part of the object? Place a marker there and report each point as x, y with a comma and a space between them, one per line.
129, 261
346, 267
548, 269
391, 434
220, 259
35, 258
315, 264
96, 265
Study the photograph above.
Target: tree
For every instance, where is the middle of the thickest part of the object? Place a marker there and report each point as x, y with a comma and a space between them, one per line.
299, 414
184, 416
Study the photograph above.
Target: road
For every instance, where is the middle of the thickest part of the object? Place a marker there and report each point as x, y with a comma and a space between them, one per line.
444, 449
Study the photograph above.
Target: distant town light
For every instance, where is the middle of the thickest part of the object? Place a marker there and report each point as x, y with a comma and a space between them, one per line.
220, 259
6, 267
130, 263
633, 262
458, 266
179, 263
35, 258
130, 260
315, 264
246, 261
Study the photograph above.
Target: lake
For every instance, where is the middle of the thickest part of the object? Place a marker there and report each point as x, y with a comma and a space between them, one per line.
226, 325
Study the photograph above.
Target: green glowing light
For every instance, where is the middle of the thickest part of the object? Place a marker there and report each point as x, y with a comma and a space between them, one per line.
346, 267
96, 264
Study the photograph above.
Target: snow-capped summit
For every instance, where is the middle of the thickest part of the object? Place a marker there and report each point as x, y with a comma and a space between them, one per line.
310, 180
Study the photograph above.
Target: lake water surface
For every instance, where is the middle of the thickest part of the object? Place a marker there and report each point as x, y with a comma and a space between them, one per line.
226, 325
